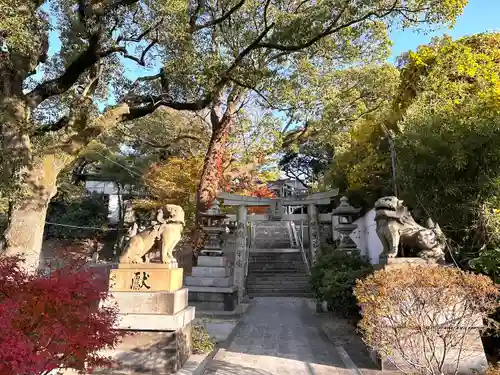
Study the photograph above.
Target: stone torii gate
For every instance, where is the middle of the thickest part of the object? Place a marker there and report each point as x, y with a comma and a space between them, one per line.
276, 213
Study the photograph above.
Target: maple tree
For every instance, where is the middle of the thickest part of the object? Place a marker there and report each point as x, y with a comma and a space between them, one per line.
53, 321
261, 192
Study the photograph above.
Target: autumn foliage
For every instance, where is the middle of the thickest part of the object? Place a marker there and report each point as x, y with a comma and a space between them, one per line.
261, 192
53, 321
420, 318
493, 370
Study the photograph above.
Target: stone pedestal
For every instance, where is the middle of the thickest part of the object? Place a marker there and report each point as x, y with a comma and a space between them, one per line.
211, 285
154, 352
152, 304
472, 355
145, 277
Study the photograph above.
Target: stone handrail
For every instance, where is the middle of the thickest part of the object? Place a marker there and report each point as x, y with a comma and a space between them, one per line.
298, 240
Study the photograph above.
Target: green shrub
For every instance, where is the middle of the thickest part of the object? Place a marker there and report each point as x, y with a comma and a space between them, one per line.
86, 211
334, 276
201, 340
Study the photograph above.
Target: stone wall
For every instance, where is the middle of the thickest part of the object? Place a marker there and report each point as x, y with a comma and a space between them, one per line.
366, 238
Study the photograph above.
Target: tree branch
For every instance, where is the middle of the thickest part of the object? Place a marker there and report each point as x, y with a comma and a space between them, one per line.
139, 60
192, 20
154, 102
114, 4
331, 29
293, 175
107, 120
265, 12
61, 124
61, 84
141, 36
250, 87
225, 77
85, 60
194, 27
154, 144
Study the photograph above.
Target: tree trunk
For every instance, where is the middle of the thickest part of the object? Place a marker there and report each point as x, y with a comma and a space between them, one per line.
209, 180
24, 233
211, 172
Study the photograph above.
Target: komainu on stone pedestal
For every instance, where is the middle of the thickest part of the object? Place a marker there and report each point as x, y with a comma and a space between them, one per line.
395, 225
167, 229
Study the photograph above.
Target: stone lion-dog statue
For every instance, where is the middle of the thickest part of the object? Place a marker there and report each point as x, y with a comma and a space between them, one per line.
168, 230
395, 225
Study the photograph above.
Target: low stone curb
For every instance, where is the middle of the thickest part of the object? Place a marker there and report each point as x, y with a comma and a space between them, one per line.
197, 363
346, 360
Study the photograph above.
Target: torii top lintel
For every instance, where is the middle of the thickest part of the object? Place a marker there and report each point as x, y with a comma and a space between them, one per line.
240, 200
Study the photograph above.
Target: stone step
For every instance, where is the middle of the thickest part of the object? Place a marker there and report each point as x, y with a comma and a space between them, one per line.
284, 271
277, 276
254, 250
271, 235
265, 287
277, 282
271, 279
277, 262
284, 276
208, 281
211, 306
275, 289
212, 261
275, 257
213, 301
211, 272
280, 294
277, 266
272, 245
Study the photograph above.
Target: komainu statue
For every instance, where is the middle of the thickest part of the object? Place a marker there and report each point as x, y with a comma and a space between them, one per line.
167, 229
171, 234
395, 225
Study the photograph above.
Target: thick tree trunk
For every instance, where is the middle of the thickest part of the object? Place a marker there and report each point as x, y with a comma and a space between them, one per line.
24, 234
212, 173
211, 176
209, 180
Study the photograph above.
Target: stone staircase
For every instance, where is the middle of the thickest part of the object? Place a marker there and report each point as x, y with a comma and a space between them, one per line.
272, 235
277, 272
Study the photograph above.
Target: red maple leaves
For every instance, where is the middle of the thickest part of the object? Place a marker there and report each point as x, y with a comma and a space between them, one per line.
53, 321
261, 191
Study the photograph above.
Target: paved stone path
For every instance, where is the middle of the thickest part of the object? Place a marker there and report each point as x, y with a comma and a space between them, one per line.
279, 336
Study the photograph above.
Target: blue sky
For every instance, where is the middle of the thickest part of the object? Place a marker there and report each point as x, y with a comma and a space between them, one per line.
478, 16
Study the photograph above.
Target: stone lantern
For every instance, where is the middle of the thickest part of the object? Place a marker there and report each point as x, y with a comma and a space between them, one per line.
346, 215
213, 224
211, 283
